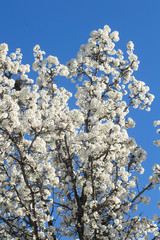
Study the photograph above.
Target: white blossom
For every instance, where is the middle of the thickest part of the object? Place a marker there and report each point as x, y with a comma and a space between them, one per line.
53, 60
130, 45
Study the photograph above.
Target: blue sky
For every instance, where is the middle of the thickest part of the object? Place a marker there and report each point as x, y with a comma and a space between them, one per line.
61, 26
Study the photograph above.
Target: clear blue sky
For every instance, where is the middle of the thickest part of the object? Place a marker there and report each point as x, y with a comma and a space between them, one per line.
61, 26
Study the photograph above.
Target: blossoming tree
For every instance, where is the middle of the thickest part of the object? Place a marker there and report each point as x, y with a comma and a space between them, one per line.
73, 173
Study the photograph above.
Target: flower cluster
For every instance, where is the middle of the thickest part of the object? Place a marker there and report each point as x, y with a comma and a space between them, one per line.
155, 124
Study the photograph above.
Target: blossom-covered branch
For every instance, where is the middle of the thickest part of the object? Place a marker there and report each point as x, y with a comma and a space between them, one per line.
73, 173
